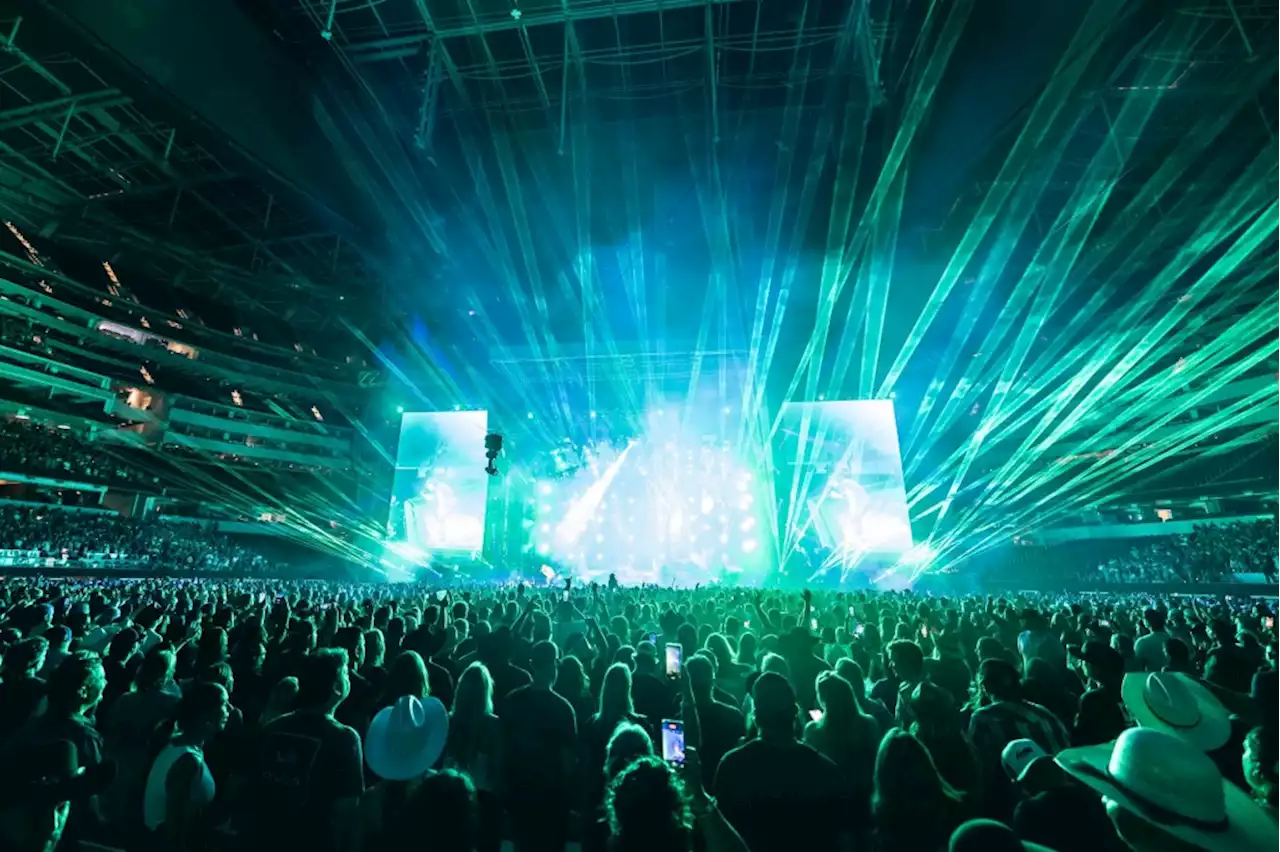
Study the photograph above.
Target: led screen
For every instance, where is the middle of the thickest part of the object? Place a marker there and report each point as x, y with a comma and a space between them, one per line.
439, 493
677, 502
839, 478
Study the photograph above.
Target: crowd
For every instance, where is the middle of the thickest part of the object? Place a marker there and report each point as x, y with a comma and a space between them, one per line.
30, 447
150, 544
255, 715
1211, 553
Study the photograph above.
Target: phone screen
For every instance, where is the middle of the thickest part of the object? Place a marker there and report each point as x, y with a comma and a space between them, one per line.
815, 715
813, 624
674, 654
673, 741
924, 631
1270, 622
565, 597
859, 629
653, 637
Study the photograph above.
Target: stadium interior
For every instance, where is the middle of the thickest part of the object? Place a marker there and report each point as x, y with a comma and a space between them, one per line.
639, 425
657, 247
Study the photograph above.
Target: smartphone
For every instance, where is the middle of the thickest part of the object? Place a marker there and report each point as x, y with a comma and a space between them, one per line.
262, 597
815, 715
653, 637
924, 632
673, 740
1269, 622
859, 629
674, 655
851, 610
746, 624
813, 625
565, 596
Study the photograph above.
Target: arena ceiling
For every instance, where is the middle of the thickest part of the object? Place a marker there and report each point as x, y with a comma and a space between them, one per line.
1024, 220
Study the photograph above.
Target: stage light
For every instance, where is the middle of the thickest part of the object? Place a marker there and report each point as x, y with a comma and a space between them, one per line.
593, 415
747, 500
546, 507
544, 488
544, 548
599, 538
708, 504
727, 409
399, 409
528, 415
821, 397
545, 528
457, 408
743, 485
599, 556
724, 539
747, 525
749, 546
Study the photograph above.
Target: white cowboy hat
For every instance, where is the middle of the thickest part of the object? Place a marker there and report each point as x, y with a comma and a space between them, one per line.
1178, 705
406, 739
1168, 782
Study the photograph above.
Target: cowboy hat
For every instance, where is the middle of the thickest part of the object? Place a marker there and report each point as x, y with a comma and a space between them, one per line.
1178, 705
1174, 786
48, 773
406, 739
1099, 654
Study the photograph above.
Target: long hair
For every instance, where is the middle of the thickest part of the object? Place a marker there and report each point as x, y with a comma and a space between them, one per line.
648, 809
472, 703
615, 694
910, 794
843, 724
571, 679
747, 650
718, 645
406, 676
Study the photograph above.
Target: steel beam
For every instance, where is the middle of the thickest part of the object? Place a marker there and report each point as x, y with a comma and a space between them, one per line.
47, 110
396, 46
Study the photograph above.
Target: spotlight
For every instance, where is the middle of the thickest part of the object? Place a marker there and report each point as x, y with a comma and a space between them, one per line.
749, 546
492, 446
528, 415
399, 409
544, 488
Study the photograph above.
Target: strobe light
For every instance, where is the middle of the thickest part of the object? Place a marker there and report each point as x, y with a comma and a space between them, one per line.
492, 446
